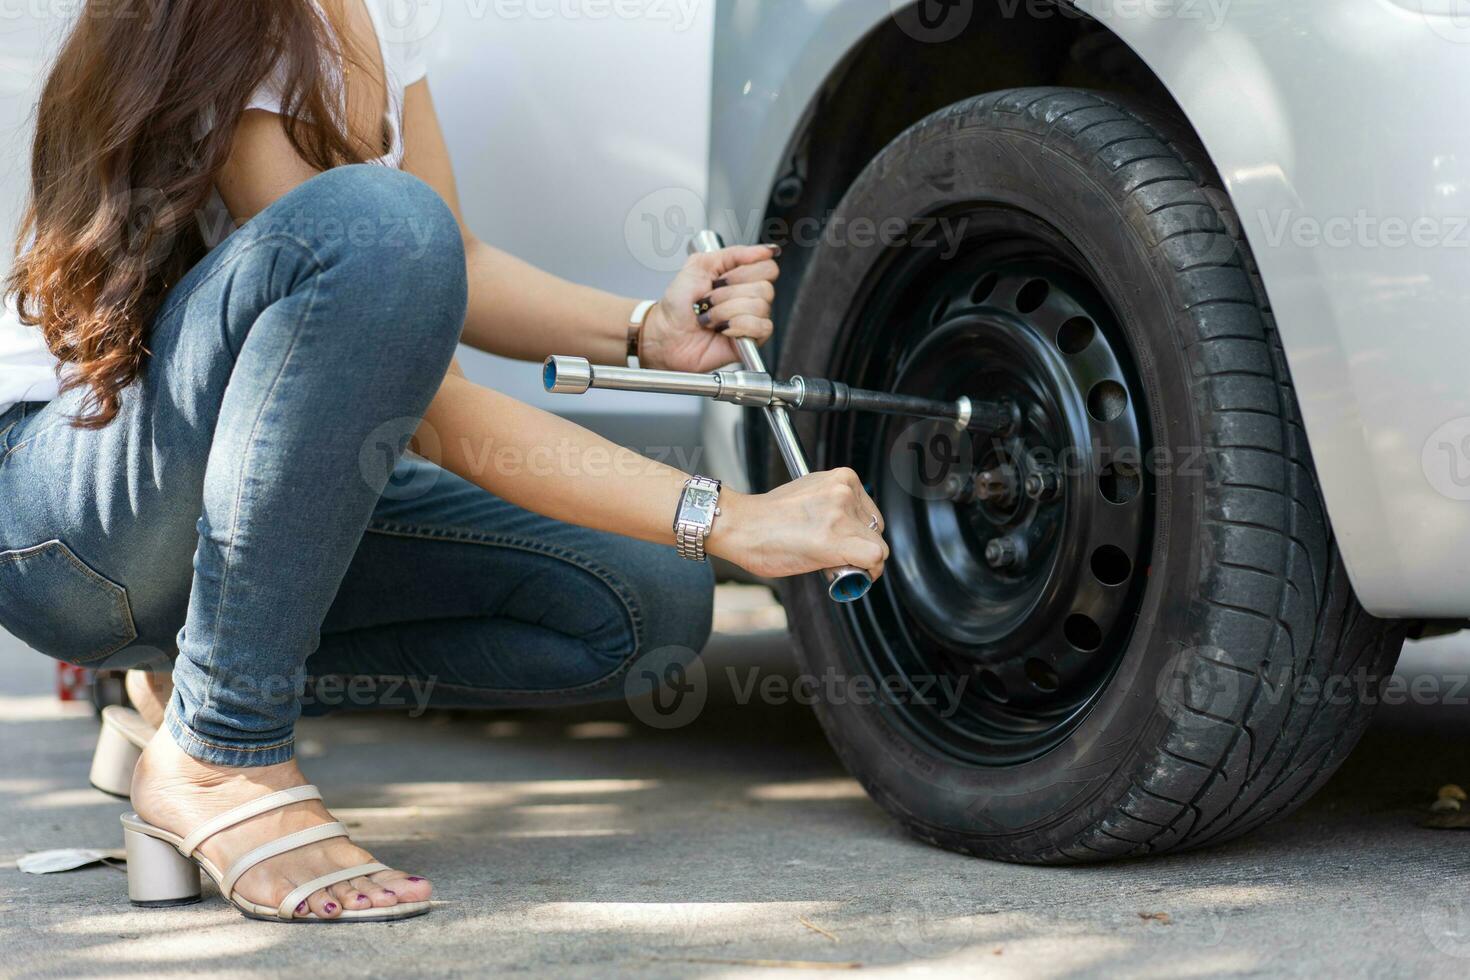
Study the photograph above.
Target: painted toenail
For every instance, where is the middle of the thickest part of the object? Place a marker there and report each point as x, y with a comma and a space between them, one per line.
415, 879
301, 908
331, 906
361, 897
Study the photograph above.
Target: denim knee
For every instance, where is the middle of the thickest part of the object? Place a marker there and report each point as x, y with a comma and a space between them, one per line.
397, 228
677, 599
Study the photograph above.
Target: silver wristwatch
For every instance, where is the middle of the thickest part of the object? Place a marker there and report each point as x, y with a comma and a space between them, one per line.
698, 507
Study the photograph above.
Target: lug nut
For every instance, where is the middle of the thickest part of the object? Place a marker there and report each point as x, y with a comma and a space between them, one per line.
997, 486
1043, 484
1001, 553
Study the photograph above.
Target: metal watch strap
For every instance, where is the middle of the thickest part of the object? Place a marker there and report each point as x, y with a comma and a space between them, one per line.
689, 538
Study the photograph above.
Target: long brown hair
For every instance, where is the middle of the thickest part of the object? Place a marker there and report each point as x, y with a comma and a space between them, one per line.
120, 172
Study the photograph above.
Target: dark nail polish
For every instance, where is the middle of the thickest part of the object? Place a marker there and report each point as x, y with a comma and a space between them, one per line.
415, 879
704, 319
361, 897
330, 907
301, 908
721, 283
721, 327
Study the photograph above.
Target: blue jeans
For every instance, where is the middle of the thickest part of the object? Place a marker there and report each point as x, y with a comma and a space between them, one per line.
250, 517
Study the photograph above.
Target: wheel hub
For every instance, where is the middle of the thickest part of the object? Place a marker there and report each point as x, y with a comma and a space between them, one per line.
1016, 556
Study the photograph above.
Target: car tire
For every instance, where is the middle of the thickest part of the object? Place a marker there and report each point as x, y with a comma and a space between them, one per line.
1236, 669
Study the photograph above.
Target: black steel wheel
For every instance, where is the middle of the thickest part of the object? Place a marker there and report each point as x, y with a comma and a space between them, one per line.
1018, 556
1093, 630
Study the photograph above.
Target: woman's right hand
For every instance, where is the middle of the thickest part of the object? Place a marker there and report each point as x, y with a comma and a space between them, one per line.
821, 521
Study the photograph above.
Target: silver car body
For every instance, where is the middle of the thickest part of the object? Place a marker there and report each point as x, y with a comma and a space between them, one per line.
587, 135
1340, 131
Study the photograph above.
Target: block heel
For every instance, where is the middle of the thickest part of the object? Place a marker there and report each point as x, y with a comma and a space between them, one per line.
158, 875
119, 746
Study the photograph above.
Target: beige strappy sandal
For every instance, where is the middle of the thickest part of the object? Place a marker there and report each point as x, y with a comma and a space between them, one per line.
120, 743
163, 868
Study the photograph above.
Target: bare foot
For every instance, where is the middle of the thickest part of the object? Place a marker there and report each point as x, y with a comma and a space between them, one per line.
177, 792
149, 693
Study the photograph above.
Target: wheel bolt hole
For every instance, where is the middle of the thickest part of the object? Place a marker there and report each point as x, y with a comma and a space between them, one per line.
1040, 673
1075, 336
1082, 632
1119, 482
984, 287
1107, 400
1032, 295
1111, 565
993, 686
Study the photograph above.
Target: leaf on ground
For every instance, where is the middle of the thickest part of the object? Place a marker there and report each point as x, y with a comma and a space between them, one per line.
1162, 918
815, 928
1456, 820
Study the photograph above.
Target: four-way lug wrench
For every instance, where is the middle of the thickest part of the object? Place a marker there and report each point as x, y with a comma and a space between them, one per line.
755, 387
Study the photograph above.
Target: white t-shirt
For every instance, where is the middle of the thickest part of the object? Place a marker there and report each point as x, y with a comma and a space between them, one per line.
27, 369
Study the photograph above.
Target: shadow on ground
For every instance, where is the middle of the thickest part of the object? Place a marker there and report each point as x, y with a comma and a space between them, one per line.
584, 843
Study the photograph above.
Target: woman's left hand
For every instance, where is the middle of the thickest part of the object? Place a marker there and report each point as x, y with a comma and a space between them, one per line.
736, 284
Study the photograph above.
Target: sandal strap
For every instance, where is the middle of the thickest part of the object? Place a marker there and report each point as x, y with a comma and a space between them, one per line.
228, 819
301, 838
301, 894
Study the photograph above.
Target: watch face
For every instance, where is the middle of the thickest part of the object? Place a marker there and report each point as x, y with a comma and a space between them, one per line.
699, 505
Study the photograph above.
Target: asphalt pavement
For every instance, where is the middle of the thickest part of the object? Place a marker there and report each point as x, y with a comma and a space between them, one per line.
587, 844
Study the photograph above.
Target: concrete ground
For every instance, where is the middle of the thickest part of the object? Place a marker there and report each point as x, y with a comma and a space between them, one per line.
586, 844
